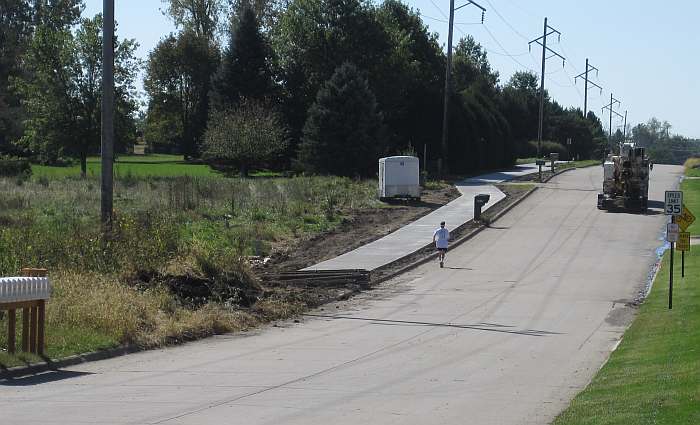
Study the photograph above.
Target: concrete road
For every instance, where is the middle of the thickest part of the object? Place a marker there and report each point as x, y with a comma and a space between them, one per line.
517, 324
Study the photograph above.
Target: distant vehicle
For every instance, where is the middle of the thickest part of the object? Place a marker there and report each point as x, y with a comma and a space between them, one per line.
626, 179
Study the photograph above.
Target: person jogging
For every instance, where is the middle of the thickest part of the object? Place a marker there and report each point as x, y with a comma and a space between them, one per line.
441, 238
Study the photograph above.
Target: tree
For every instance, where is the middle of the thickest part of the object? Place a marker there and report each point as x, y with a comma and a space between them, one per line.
245, 70
521, 107
342, 134
62, 94
15, 31
201, 17
88, 82
313, 38
178, 76
410, 79
249, 135
471, 67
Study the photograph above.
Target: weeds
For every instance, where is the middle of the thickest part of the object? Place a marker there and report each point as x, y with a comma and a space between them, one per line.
175, 266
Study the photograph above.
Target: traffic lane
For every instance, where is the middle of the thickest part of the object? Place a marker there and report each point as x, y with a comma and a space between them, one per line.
485, 342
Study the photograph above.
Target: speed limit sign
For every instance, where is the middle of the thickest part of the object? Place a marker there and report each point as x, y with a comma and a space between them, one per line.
674, 202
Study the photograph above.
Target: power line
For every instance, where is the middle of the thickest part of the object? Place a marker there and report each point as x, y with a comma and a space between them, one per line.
506, 22
506, 53
439, 10
431, 18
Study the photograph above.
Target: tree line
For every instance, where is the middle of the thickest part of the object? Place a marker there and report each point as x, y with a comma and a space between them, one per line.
319, 86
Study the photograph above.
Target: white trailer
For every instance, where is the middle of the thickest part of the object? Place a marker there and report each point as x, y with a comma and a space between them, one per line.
399, 177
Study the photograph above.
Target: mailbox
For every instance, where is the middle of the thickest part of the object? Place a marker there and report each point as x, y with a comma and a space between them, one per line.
554, 156
479, 201
541, 162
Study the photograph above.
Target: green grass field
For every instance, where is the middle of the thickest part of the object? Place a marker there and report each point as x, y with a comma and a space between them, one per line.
691, 199
654, 375
136, 166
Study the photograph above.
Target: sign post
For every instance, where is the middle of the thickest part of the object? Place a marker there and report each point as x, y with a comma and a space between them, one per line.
554, 156
673, 206
684, 220
540, 163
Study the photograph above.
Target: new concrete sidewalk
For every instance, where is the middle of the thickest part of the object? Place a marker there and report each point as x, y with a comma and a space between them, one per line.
416, 235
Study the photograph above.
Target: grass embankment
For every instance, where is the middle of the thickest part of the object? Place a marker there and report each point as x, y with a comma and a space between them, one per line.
184, 236
692, 167
654, 375
579, 164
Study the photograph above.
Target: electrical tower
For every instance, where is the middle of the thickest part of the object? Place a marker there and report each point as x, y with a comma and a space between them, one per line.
448, 83
584, 75
609, 107
542, 41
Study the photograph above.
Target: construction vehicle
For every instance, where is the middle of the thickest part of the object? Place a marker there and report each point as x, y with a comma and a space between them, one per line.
626, 179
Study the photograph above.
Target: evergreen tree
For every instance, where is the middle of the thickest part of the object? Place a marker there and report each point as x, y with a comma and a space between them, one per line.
342, 134
245, 70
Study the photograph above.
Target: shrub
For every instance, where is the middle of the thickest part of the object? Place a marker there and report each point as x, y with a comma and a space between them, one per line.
546, 148
15, 168
247, 136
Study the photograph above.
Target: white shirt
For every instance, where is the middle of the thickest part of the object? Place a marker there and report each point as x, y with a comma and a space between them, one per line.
442, 236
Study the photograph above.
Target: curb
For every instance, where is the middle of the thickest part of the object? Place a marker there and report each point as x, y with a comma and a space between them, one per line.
51, 365
458, 242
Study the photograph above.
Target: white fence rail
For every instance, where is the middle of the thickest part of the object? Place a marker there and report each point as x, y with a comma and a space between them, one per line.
17, 289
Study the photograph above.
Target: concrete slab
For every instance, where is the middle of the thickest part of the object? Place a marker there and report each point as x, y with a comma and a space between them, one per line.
416, 235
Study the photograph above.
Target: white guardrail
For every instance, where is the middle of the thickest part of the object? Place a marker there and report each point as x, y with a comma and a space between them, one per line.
18, 289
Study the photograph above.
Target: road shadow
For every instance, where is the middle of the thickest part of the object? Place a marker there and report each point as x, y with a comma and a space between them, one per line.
457, 268
653, 208
42, 378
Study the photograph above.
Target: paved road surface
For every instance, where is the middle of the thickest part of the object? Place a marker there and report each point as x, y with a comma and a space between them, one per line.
519, 322
416, 235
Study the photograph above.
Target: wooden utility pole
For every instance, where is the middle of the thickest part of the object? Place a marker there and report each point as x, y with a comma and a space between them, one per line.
542, 41
107, 147
442, 161
584, 75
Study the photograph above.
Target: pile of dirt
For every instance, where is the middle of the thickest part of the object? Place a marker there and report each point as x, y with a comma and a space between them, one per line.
192, 288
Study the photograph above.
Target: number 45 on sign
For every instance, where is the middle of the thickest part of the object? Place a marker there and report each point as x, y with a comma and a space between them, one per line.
674, 202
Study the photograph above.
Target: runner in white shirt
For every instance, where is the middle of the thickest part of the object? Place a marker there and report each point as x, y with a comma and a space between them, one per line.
441, 239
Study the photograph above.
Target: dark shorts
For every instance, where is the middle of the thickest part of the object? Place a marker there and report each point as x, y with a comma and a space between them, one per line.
443, 250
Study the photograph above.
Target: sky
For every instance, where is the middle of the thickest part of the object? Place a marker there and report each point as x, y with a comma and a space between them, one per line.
646, 51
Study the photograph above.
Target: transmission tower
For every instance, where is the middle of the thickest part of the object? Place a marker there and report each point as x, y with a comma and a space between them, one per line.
609, 107
542, 41
448, 82
584, 75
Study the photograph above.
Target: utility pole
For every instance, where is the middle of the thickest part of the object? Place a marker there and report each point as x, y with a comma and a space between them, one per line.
442, 161
609, 107
542, 41
107, 114
624, 128
584, 75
